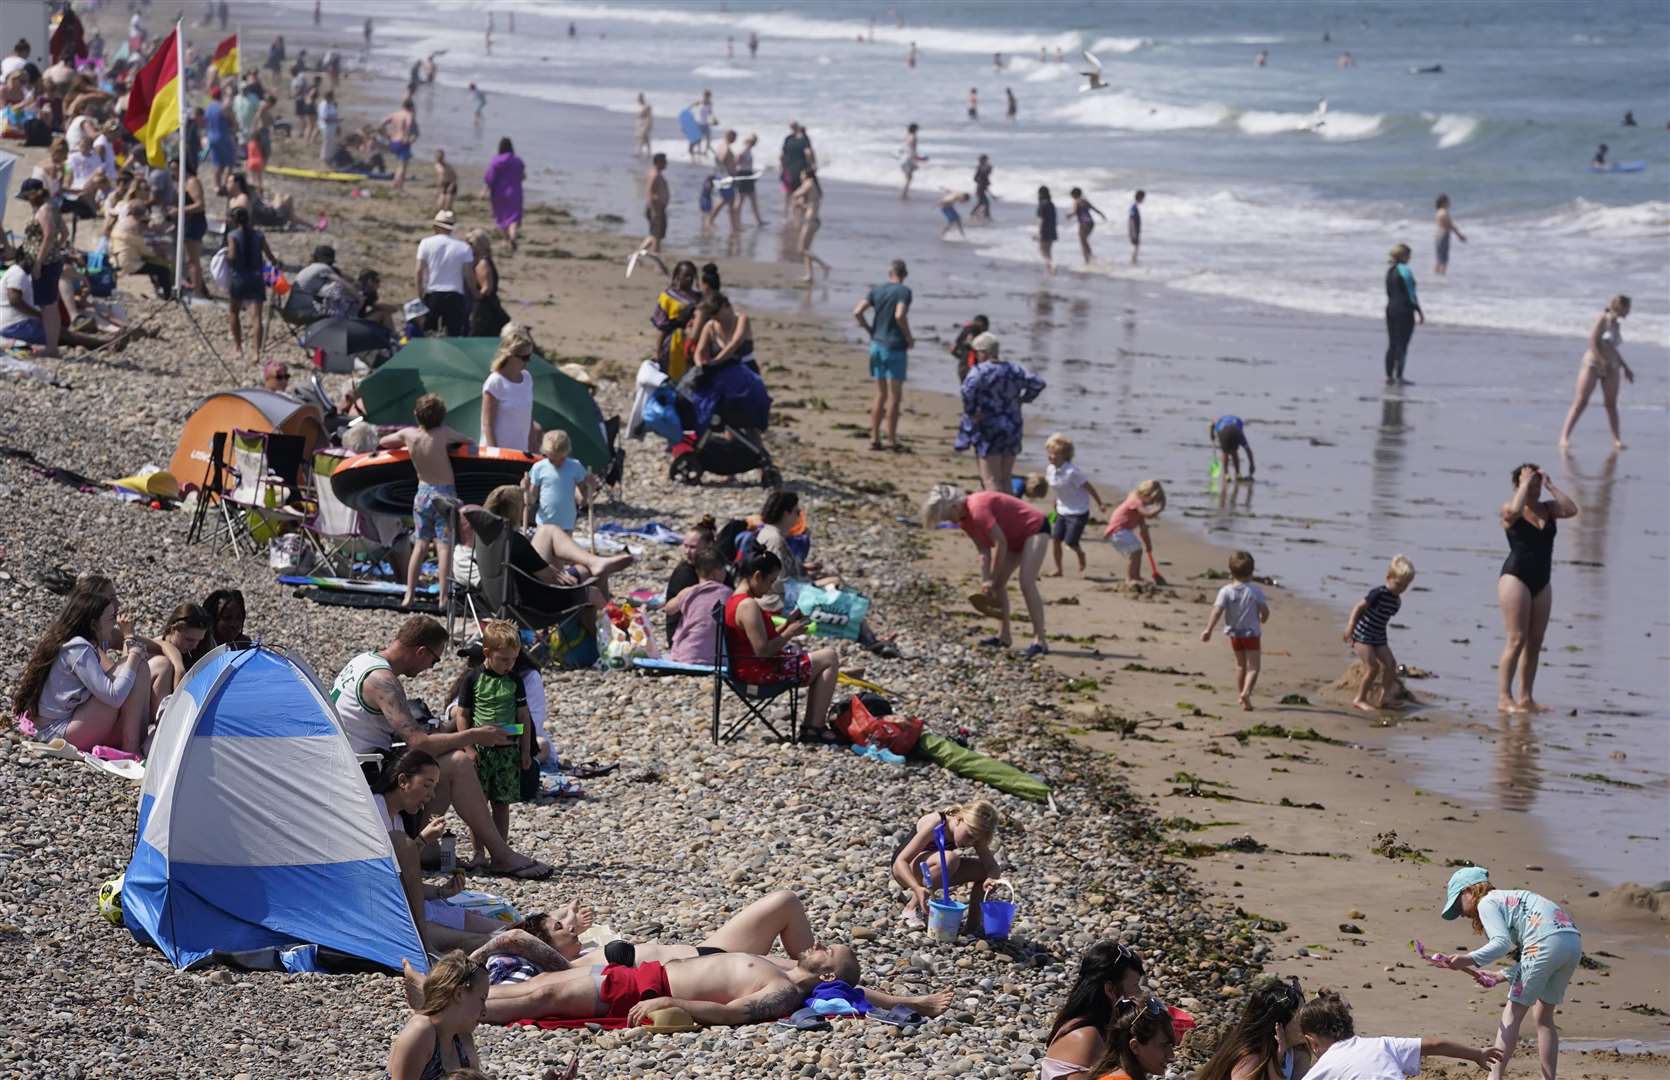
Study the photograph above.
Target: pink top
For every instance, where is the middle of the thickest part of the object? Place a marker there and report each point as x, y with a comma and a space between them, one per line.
1127, 515
1019, 521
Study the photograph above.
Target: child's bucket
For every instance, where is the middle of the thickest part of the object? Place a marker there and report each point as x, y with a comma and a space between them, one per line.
945, 918
998, 916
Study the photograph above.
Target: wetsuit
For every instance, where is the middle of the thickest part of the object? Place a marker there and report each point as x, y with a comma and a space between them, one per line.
1531, 553
1401, 305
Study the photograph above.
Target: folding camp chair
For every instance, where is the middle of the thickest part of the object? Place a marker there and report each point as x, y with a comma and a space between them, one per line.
504, 590
265, 476
337, 531
756, 698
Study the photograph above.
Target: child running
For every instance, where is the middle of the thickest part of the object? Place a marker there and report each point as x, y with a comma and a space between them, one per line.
1072, 499
1365, 630
1341, 1054
493, 694
948, 206
437, 494
1547, 943
555, 481
917, 867
1228, 439
1244, 610
1127, 528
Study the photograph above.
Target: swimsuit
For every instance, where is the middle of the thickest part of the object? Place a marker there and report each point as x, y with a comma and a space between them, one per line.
434, 1069
1531, 553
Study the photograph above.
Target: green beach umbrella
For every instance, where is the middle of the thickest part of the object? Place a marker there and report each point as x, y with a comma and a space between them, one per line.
455, 368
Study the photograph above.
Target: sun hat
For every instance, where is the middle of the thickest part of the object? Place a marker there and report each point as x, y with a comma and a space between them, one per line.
1460, 881
672, 1019
986, 344
446, 219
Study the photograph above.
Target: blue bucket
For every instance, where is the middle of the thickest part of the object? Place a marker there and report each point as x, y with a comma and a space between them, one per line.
998, 916
945, 918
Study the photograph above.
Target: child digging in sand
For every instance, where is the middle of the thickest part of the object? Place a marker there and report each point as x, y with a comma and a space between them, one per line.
437, 493
916, 863
1340, 1054
1072, 499
1242, 607
1229, 437
493, 694
1128, 526
1366, 631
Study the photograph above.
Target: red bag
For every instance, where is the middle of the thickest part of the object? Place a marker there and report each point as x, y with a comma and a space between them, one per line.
896, 733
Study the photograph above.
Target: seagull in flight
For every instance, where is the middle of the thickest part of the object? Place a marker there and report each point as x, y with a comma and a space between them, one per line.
1095, 75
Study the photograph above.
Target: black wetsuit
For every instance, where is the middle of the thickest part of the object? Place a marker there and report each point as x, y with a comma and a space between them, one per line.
1531, 553
1401, 306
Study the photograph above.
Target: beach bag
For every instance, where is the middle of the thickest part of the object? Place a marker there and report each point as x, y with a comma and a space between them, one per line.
839, 613
574, 641
661, 413
290, 555
220, 270
899, 734
101, 277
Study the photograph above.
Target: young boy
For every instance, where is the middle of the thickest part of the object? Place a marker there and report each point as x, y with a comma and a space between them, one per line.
437, 495
1072, 499
1244, 610
555, 480
1340, 1054
1365, 629
494, 694
446, 182
1228, 438
948, 206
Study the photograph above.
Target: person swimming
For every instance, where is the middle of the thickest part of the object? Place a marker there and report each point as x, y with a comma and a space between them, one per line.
1600, 157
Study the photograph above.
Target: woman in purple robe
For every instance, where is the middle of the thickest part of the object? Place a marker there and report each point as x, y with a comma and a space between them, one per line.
503, 181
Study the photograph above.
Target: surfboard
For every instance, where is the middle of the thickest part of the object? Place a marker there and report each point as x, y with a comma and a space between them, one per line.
727, 181
691, 127
1622, 166
315, 174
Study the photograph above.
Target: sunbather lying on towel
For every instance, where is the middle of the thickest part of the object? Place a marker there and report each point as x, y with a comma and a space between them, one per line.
727, 979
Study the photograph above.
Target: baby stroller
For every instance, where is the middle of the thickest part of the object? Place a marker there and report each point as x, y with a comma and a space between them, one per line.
714, 422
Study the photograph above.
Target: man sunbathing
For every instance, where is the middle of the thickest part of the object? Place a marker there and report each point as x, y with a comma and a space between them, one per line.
727, 979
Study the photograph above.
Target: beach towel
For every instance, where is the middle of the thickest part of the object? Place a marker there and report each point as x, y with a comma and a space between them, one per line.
651, 533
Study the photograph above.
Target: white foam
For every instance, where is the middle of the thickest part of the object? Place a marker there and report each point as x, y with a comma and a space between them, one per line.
1637, 221
1453, 129
1108, 45
1128, 112
722, 71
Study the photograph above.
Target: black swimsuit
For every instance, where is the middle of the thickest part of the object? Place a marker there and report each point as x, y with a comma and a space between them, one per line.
1531, 553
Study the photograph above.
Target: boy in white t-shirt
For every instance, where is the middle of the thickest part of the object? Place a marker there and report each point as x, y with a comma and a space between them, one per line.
1340, 1053
1072, 498
1242, 607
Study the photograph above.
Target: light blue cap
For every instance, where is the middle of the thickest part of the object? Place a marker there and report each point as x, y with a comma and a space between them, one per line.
1460, 880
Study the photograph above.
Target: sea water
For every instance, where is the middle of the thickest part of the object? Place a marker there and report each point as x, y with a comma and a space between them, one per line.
1257, 199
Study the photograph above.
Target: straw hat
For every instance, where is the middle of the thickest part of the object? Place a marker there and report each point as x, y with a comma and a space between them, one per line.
663, 1021
446, 219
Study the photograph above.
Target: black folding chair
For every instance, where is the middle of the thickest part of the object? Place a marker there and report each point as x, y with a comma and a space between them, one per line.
756, 698
504, 590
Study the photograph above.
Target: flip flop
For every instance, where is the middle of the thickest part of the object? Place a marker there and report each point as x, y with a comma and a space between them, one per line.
590, 770
127, 770
57, 748
531, 871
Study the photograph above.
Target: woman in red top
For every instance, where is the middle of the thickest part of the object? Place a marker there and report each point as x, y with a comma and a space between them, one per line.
762, 654
1011, 535
1141, 1040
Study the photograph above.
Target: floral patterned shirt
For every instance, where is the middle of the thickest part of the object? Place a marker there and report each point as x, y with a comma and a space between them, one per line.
993, 393
1517, 919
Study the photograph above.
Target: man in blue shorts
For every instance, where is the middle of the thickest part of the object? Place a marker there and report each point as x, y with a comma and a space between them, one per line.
890, 342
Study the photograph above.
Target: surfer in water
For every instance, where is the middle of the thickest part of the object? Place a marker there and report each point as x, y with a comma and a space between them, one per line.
909, 159
642, 127
1600, 157
1446, 226
974, 103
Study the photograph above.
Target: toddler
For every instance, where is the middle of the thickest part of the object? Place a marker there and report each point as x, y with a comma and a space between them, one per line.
1242, 607
1127, 527
494, 694
1365, 629
1072, 499
554, 481
1340, 1053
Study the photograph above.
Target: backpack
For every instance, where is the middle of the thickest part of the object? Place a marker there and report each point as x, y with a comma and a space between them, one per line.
899, 734
727, 539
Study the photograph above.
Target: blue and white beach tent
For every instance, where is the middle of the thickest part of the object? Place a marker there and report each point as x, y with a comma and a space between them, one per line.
256, 828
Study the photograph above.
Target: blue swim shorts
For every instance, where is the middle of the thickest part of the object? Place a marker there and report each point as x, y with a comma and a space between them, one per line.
430, 513
951, 216
887, 363
401, 150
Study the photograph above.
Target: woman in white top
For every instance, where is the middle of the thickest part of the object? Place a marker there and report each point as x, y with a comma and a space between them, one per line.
507, 395
1602, 363
67, 692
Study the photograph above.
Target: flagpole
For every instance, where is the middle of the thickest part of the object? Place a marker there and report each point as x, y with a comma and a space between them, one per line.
180, 185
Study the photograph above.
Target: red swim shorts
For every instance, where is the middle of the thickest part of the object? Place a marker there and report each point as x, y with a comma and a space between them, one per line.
1244, 644
623, 987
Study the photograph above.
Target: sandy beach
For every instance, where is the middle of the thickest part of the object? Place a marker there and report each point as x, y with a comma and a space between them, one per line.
1296, 838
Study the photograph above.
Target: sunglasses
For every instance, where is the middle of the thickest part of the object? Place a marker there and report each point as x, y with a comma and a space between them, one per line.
433, 653
1153, 1006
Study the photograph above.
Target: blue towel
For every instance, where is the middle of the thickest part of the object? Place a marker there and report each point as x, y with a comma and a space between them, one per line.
836, 998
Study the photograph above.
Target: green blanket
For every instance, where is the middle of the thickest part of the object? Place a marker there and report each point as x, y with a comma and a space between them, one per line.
965, 762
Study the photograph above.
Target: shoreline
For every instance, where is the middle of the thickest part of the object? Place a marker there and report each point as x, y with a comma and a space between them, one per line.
601, 320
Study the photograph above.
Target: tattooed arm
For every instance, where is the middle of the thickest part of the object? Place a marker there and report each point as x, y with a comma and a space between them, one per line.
771, 1003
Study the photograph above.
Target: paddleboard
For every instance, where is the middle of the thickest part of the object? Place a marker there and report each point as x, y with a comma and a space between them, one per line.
727, 181
1622, 166
315, 174
687, 123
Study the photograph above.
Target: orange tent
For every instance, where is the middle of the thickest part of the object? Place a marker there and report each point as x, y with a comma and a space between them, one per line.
241, 410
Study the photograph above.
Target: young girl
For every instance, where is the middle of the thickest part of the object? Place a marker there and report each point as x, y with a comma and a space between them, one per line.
1082, 213
916, 861
1549, 948
1365, 630
493, 694
1078, 1038
1341, 1054
1046, 227
446, 1007
65, 690
1072, 499
555, 480
1141, 1040
184, 632
1127, 528
1265, 1040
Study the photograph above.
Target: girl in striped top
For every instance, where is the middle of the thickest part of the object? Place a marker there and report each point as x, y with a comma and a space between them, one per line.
1365, 630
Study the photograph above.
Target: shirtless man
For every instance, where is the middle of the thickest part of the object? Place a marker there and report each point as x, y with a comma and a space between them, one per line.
727, 979
656, 197
1446, 226
724, 160
401, 127
446, 182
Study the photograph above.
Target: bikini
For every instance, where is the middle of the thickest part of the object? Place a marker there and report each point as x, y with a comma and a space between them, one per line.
434, 1069
1531, 553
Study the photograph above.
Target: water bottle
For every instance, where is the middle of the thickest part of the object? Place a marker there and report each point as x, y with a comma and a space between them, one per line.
449, 854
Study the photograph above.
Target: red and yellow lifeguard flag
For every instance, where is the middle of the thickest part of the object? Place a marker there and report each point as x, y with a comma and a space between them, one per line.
154, 99
225, 59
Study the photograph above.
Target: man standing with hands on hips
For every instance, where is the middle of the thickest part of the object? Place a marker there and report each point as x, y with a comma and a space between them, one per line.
890, 342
